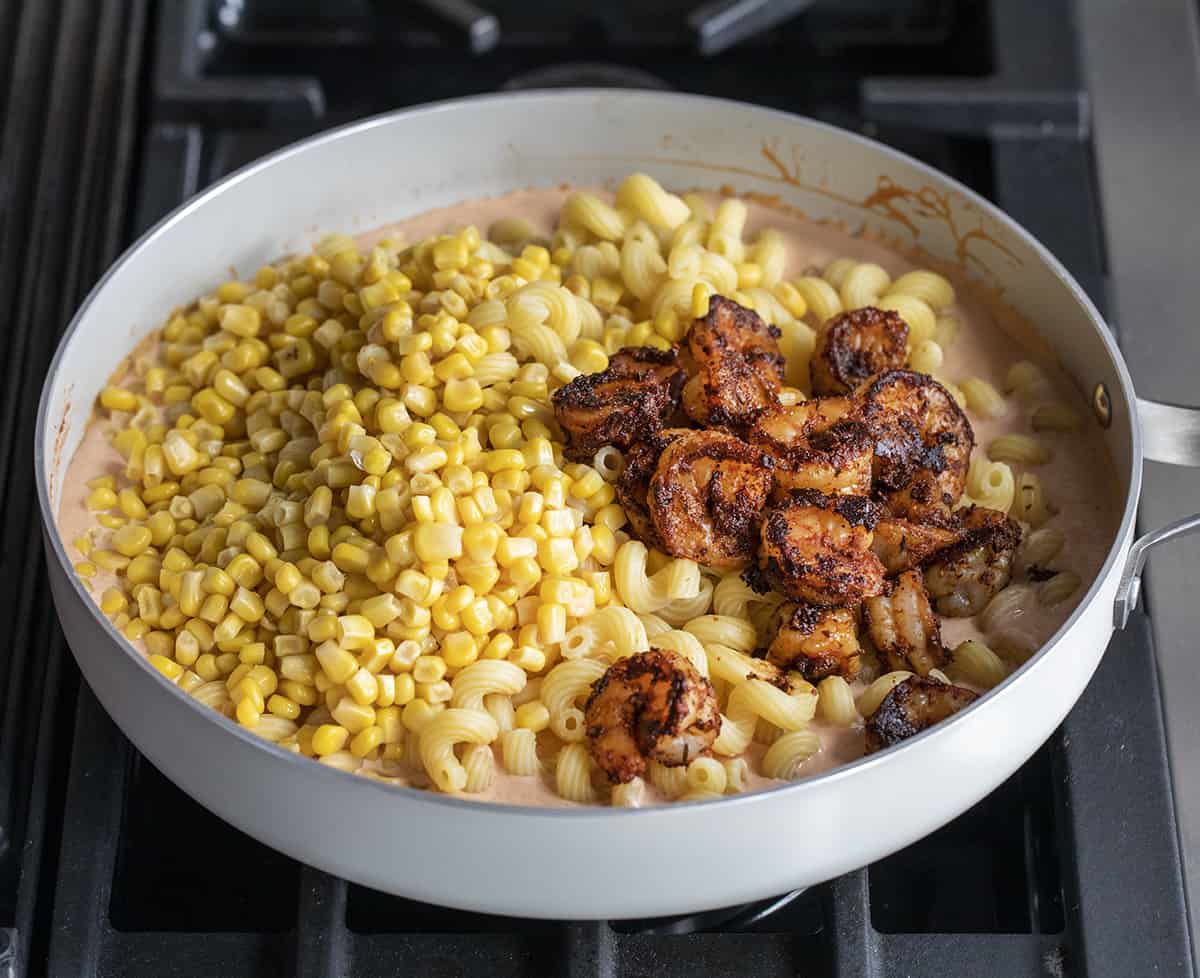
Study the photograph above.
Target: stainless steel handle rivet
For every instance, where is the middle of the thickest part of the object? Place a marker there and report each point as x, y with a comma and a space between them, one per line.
1102, 404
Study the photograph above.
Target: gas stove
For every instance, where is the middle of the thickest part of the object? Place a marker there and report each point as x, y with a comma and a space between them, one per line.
115, 111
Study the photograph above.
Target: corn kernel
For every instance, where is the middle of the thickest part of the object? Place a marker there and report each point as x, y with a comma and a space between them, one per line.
101, 498
168, 667
529, 658
459, 650
118, 399
329, 738
363, 686
429, 669
532, 716
338, 663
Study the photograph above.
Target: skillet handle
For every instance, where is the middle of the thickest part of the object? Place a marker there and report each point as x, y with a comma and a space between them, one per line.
1170, 433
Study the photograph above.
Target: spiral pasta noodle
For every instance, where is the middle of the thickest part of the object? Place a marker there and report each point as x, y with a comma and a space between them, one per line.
687, 645
785, 757
770, 253
479, 764
1055, 416
573, 774
630, 794
482, 678
836, 271
991, 484
563, 687
671, 782
1006, 608
836, 702
753, 699
442, 734
642, 269
1041, 546
737, 775
931, 288
707, 774
518, 750
1058, 588
821, 298
646, 197
683, 610
590, 213
984, 399
735, 633
1029, 501
646, 594
917, 315
870, 698
611, 633
977, 664
863, 285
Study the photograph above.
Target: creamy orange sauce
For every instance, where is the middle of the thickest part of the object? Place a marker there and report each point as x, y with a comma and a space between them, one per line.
1075, 479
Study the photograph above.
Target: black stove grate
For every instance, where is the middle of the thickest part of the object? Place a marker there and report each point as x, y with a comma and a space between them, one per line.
1033, 881
106, 869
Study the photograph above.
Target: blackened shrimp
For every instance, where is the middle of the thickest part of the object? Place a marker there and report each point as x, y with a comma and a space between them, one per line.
903, 627
963, 577
633, 485
903, 545
817, 642
738, 366
817, 444
911, 707
706, 495
652, 706
923, 443
623, 404
817, 549
857, 345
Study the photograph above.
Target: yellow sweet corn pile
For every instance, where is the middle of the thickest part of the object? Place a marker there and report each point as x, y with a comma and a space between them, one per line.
343, 478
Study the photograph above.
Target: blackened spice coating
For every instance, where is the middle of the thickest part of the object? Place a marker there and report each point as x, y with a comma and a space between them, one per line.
911, 707
817, 642
650, 706
738, 366
923, 443
706, 495
624, 404
856, 345
816, 548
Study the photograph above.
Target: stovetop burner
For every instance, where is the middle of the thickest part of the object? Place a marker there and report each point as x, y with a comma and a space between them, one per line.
586, 74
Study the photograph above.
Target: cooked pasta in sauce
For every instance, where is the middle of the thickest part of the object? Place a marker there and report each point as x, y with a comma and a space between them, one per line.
395, 569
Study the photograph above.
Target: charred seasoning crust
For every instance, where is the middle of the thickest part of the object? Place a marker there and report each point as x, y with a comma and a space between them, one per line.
855, 510
735, 520
843, 360
845, 577
911, 707
840, 445
716, 333
633, 485
923, 439
805, 620
638, 392
739, 367
982, 527
899, 652
658, 666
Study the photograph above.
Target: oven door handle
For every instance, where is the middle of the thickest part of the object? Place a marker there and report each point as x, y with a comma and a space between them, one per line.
1171, 434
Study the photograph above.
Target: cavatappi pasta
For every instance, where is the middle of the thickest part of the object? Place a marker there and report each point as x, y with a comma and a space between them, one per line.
336, 509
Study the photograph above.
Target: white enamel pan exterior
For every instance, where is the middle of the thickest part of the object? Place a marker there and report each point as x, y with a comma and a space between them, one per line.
597, 862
